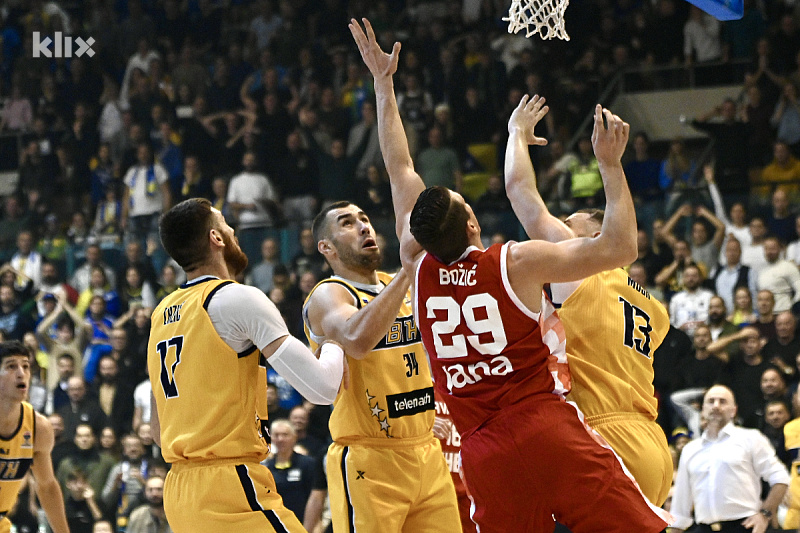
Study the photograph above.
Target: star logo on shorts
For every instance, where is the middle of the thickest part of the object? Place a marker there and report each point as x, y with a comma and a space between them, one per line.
385, 425
376, 410
360, 474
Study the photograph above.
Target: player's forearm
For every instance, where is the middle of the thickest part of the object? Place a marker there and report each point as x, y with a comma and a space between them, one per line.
317, 380
521, 184
405, 182
522, 191
619, 222
365, 328
52, 502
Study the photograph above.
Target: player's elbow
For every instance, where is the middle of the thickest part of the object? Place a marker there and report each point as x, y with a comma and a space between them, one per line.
48, 489
618, 252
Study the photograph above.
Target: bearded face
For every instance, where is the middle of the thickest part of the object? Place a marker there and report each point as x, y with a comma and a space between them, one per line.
369, 259
234, 257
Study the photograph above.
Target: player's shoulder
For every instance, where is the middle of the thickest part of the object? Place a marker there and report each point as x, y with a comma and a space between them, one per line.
333, 288
43, 435
238, 292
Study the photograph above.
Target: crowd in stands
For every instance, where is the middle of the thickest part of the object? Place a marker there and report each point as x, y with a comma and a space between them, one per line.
264, 108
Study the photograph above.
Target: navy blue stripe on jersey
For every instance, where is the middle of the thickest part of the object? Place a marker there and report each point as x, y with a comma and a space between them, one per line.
351, 513
549, 292
21, 418
402, 333
349, 289
213, 292
246, 351
252, 500
197, 282
14, 469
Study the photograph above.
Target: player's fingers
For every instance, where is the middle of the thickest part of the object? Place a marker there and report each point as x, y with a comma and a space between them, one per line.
523, 102
610, 122
542, 112
539, 141
355, 29
394, 58
370, 31
532, 102
358, 35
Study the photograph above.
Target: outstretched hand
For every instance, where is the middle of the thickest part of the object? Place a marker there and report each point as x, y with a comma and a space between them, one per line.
609, 143
381, 64
525, 117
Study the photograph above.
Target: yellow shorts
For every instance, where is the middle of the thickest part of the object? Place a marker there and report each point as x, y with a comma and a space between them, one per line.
217, 497
642, 446
391, 490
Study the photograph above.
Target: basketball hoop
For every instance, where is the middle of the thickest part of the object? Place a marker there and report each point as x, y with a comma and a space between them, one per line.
545, 17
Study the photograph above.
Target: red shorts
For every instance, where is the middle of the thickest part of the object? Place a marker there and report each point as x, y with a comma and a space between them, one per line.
537, 460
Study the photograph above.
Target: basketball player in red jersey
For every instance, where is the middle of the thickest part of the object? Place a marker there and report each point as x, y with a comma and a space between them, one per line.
496, 345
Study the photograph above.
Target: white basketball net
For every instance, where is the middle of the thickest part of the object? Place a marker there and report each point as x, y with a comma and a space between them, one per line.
545, 17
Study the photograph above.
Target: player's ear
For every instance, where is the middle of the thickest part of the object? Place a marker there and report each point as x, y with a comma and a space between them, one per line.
215, 237
324, 246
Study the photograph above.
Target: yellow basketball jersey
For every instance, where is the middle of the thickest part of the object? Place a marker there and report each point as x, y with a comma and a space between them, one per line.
791, 433
16, 457
391, 390
211, 400
613, 326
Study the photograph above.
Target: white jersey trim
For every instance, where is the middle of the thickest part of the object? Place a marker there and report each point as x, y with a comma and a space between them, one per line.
244, 316
507, 285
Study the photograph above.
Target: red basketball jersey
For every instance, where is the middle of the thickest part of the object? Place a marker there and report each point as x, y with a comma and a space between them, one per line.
487, 350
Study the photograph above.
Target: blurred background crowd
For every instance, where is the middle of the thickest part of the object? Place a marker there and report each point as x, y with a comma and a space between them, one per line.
264, 108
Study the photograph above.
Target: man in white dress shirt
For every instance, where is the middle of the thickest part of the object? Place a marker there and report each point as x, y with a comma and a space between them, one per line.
720, 474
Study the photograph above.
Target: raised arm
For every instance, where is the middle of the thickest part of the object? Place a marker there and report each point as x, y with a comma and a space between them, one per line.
669, 226
538, 262
405, 182
332, 313
716, 196
520, 177
719, 226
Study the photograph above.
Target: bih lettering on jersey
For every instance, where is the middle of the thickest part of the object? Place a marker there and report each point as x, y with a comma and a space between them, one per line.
487, 350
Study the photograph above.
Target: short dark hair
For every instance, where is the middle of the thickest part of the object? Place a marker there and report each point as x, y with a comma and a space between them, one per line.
319, 227
596, 215
12, 348
184, 232
439, 224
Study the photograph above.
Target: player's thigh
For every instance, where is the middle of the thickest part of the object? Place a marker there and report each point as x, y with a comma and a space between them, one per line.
436, 508
642, 446
591, 492
370, 489
497, 474
226, 498
5, 525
